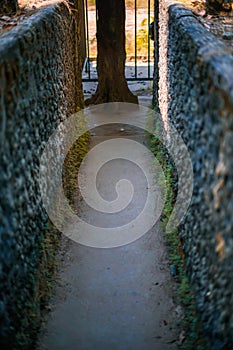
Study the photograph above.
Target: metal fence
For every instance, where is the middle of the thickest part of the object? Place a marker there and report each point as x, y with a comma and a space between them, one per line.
139, 47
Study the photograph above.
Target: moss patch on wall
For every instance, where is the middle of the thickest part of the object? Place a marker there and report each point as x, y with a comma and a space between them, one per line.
71, 167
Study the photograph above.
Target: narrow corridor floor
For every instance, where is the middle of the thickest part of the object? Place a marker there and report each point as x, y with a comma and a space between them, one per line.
113, 299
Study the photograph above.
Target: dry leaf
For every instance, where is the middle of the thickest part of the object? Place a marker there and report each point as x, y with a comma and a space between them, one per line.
218, 186
220, 248
5, 18
181, 338
201, 13
9, 25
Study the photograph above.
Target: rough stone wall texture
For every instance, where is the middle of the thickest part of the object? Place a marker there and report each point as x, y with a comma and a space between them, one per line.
200, 104
40, 85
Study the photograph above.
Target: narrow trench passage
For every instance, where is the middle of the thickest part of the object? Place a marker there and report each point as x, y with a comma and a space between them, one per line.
118, 298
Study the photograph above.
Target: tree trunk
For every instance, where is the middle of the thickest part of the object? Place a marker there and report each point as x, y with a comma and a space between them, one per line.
111, 55
8, 7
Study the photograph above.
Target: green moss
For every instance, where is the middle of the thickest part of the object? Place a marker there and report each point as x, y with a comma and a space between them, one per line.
72, 163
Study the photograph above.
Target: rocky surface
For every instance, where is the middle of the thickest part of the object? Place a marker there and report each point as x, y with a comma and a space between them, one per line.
199, 102
40, 73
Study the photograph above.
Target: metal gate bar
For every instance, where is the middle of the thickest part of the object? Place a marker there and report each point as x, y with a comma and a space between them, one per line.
88, 62
148, 35
135, 38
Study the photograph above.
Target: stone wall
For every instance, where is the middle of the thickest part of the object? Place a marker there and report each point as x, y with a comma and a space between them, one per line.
40, 82
196, 95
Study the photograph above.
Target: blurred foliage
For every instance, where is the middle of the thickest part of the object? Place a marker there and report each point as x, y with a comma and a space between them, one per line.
142, 30
143, 38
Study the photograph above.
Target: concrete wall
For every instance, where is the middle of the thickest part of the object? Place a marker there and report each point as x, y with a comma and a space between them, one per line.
196, 95
40, 81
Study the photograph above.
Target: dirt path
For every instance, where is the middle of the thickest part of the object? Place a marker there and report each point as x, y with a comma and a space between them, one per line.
118, 298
